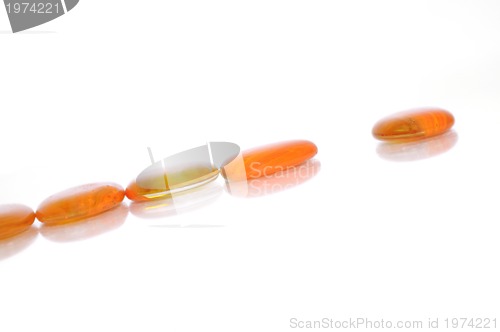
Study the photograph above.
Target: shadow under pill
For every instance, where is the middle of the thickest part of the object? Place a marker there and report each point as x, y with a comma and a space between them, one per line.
87, 228
276, 182
418, 150
14, 245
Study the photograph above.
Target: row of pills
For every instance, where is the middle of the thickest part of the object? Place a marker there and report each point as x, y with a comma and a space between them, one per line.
89, 200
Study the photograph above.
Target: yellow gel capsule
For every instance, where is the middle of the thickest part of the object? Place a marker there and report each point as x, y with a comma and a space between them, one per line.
160, 184
181, 172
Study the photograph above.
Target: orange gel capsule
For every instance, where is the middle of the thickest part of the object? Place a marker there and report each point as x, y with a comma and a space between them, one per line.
79, 203
269, 159
15, 219
413, 124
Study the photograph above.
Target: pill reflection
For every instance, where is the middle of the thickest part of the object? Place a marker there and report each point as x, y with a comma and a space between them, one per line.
275, 183
87, 228
182, 202
14, 245
418, 150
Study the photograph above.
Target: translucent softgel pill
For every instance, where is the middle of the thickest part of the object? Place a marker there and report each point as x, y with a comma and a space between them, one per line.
269, 159
80, 202
162, 184
179, 173
413, 124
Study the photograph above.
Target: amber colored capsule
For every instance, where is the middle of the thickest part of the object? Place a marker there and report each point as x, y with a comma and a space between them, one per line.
79, 203
269, 159
413, 124
15, 219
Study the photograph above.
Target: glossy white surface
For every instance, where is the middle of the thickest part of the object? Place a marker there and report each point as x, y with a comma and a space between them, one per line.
384, 233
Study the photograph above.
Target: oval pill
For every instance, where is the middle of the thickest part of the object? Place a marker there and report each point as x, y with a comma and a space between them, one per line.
161, 184
269, 159
79, 203
15, 219
181, 172
413, 124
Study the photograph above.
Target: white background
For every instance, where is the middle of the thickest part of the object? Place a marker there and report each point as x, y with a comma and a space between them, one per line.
83, 96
